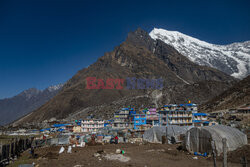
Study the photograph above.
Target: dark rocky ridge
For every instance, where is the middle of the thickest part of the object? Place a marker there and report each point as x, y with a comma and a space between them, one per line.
27, 101
236, 96
141, 57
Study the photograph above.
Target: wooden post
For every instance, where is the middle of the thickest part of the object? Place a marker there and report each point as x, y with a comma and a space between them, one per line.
18, 147
10, 149
197, 140
1, 151
164, 139
167, 134
14, 148
224, 142
244, 161
213, 152
24, 144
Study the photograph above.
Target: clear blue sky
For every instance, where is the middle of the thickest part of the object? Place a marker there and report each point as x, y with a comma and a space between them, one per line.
46, 42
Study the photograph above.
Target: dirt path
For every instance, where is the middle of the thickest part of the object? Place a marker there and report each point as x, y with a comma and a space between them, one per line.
148, 155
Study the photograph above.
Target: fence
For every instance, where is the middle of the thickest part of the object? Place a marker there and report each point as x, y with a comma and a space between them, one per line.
13, 150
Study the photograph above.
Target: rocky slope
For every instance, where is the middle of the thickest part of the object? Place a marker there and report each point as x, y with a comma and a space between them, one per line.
142, 57
236, 96
233, 59
25, 102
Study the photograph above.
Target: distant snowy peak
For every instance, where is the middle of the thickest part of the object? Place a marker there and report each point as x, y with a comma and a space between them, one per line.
25, 102
233, 59
33, 92
55, 87
29, 93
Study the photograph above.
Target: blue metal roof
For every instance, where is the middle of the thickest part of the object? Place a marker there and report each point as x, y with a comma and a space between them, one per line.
42, 130
60, 130
138, 114
190, 104
200, 114
60, 125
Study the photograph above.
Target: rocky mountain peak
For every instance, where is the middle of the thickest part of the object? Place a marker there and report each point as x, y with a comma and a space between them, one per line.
25, 102
29, 93
140, 38
141, 57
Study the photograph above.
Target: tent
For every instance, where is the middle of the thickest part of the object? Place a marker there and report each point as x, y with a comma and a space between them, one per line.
175, 131
63, 140
155, 133
198, 139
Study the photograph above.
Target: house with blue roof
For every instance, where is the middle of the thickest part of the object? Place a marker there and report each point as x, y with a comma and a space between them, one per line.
129, 118
173, 114
200, 119
152, 117
122, 119
91, 125
60, 125
139, 120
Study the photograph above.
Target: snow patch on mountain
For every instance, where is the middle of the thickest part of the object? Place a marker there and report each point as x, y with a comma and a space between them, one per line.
55, 87
233, 59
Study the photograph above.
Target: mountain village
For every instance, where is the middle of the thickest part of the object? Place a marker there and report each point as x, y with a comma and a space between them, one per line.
112, 133
172, 124
77, 92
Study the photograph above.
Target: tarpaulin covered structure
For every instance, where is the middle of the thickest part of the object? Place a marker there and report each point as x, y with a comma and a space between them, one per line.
198, 139
63, 140
155, 133
175, 131
52, 141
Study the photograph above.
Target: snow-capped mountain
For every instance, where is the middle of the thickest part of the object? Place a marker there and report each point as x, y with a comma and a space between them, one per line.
233, 59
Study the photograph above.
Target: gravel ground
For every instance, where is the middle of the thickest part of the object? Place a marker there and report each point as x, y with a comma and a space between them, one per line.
144, 155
